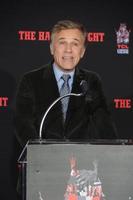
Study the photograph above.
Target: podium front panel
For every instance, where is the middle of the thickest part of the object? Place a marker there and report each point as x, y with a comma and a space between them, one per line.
79, 171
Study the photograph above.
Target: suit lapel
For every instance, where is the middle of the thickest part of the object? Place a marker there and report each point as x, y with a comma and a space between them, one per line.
50, 83
52, 92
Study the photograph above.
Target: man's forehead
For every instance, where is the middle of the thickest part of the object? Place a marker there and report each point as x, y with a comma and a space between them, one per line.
74, 34
71, 38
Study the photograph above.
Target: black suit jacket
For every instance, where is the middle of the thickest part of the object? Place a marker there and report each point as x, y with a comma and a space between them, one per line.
85, 119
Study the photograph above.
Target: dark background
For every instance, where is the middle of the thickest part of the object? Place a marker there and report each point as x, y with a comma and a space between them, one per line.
19, 56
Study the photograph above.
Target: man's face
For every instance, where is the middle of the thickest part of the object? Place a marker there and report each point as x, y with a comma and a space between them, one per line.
67, 48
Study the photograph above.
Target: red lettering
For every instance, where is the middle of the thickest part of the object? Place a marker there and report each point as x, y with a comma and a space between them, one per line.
122, 103
43, 35
116, 103
27, 35
47, 35
33, 33
0, 101
128, 103
96, 37
122, 46
101, 37
3, 101
90, 37
21, 35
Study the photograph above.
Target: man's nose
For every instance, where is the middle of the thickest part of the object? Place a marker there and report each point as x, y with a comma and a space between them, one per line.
68, 47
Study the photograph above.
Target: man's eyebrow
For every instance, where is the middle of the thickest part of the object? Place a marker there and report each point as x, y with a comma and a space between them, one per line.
63, 38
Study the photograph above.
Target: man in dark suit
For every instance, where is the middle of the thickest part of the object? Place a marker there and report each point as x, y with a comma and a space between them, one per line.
84, 119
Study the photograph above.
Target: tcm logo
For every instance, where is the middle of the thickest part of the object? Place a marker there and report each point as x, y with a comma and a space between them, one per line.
123, 39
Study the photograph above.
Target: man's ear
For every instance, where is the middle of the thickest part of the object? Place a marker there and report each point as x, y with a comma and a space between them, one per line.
51, 48
83, 52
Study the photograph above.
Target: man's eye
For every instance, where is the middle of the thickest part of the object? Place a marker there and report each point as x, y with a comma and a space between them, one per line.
75, 44
62, 42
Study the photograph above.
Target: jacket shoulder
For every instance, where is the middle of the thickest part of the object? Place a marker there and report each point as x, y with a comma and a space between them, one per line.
36, 72
91, 75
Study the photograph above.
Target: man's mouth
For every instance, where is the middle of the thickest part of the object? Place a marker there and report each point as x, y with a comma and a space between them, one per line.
69, 58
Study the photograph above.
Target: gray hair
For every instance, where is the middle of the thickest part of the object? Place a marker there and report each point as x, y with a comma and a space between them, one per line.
68, 24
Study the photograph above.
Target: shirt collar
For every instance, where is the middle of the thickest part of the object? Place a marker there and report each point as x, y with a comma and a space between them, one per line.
58, 72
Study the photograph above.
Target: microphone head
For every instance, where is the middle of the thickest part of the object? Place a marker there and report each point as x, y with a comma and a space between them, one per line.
84, 86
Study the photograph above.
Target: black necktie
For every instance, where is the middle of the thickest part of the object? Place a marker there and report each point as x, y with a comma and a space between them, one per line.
65, 89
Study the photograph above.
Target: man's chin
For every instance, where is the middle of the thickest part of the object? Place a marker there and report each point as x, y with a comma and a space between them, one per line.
67, 67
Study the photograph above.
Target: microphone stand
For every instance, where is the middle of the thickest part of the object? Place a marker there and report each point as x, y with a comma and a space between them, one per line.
49, 108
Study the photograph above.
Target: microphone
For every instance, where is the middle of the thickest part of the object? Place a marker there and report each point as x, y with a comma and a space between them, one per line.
84, 88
